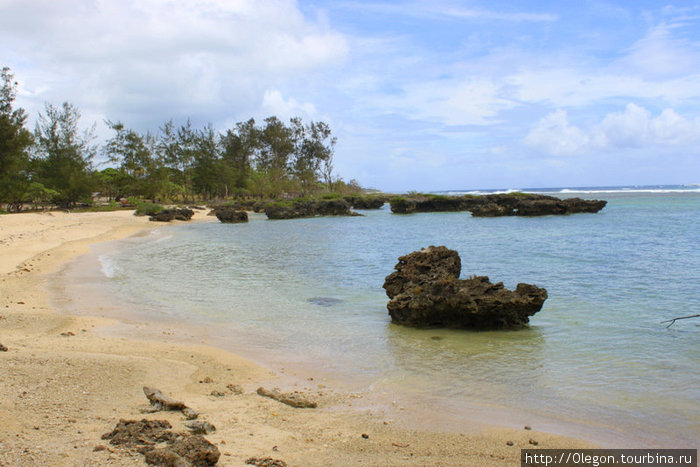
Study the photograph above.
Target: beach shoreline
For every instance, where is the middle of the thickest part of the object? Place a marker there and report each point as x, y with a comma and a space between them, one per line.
67, 381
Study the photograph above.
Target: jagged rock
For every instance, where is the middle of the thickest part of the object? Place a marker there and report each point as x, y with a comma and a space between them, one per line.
425, 291
180, 450
187, 450
293, 399
231, 215
3, 348
134, 434
167, 215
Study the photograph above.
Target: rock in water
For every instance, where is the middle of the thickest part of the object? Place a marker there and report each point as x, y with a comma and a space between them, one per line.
425, 291
231, 216
167, 215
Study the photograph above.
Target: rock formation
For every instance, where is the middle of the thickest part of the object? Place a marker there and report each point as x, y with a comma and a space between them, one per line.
366, 202
510, 204
161, 446
308, 208
425, 291
167, 215
231, 215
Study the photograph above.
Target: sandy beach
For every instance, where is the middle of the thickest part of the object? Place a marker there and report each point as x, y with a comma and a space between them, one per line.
64, 382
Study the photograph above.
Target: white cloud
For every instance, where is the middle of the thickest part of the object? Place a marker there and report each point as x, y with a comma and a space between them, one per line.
446, 10
464, 13
630, 128
204, 58
571, 87
453, 102
274, 103
554, 135
635, 127
660, 54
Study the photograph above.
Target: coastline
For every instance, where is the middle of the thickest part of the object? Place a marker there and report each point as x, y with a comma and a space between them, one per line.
65, 391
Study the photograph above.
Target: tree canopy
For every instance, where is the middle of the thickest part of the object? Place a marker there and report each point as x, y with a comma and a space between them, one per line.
178, 162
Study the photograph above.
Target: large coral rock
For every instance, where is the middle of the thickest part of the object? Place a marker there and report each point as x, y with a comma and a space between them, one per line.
425, 291
231, 215
167, 215
162, 447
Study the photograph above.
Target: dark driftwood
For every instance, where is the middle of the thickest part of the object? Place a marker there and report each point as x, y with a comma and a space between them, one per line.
162, 402
671, 321
290, 398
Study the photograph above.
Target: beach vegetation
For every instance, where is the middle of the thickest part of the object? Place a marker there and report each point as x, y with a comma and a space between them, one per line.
179, 163
15, 144
63, 154
145, 208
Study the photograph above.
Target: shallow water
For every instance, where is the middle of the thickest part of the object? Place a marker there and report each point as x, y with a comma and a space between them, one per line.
308, 293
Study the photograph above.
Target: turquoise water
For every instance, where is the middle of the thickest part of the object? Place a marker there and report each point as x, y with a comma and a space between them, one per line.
596, 359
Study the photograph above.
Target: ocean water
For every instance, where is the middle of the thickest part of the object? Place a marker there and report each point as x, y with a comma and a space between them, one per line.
596, 362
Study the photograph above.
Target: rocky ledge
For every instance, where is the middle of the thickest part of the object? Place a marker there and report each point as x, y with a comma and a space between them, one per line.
167, 215
308, 208
230, 215
366, 201
425, 291
511, 204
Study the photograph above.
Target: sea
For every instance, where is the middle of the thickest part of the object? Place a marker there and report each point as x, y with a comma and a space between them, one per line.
304, 297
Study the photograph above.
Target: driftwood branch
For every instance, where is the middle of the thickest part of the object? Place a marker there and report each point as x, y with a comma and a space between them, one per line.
293, 399
671, 321
162, 402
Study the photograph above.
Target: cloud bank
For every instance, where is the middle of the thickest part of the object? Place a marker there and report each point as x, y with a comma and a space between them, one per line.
422, 95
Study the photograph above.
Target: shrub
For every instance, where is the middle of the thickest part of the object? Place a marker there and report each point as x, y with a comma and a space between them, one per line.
144, 208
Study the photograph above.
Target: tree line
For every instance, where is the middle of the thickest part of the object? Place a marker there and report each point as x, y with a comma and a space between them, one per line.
179, 163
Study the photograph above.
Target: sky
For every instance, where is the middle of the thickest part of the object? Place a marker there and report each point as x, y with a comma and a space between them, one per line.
422, 95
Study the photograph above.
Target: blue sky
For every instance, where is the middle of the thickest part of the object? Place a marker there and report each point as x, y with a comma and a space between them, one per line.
422, 95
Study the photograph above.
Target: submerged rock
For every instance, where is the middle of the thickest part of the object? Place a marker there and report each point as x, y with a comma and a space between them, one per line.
325, 301
425, 291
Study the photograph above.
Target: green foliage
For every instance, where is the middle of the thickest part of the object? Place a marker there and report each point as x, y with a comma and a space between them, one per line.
144, 208
15, 142
270, 160
64, 154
